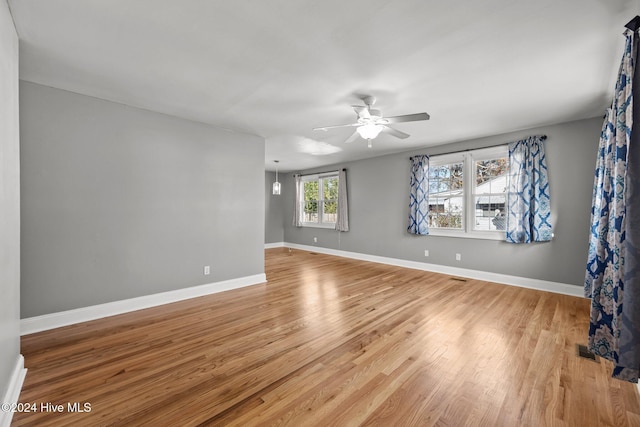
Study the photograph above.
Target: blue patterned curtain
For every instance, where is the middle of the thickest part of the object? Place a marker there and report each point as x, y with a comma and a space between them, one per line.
612, 280
419, 199
528, 204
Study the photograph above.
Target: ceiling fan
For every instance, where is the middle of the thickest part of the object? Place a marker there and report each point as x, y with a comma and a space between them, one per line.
370, 122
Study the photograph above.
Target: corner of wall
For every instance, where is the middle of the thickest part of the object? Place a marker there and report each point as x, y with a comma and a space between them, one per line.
13, 391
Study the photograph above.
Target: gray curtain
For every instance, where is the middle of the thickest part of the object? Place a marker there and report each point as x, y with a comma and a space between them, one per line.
342, 221
297, 208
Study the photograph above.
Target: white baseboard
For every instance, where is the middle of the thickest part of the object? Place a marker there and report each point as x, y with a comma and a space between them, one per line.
45, 322
523, 282
13, 392
274, 245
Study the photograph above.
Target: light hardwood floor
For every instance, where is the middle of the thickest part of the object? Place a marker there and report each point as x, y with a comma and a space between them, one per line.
333, 342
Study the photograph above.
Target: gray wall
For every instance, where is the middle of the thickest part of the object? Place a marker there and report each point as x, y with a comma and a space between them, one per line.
9, 200
378, 210
119, 202
274, 215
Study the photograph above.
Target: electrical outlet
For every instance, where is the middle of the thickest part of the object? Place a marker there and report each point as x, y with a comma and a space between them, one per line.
426, 252
207, 270
458, 257
315, 240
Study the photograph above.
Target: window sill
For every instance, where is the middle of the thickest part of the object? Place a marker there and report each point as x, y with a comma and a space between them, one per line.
312, 225
481, 235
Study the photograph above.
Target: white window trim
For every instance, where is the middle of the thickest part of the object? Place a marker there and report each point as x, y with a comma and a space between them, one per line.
316, 177
468, 158
328, 225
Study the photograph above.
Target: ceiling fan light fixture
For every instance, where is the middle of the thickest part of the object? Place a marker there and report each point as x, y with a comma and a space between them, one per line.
369, 131
370, 122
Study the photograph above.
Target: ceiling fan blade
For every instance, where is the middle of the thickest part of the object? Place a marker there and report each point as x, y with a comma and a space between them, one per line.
337, 126
362, 111
353, 137
395, 132
407, 118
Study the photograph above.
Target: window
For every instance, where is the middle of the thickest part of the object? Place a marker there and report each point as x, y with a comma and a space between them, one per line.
319, 200
446, 195
489, 193
467, 193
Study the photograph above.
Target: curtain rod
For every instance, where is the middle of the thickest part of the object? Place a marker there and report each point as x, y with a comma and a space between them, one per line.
319, 173
542, 137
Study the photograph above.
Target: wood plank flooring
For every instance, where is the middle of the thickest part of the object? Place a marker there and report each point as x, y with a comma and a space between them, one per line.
332, 342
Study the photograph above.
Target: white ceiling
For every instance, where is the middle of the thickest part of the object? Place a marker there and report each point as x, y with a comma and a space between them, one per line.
278, 68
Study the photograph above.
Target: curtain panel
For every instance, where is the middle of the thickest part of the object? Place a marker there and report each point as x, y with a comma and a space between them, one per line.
528, 201
612, 279
342, 220
297, 208
419, 196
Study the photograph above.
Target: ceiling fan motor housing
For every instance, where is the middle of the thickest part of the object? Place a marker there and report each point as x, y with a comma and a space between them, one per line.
375, 114
369, 100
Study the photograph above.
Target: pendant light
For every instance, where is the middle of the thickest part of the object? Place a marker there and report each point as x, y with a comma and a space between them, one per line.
276, 185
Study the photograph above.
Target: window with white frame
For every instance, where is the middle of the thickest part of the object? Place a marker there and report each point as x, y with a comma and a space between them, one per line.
467, 193
319, 200
446, 193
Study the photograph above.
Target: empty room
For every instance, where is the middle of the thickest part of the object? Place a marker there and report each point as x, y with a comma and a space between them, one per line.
254, 213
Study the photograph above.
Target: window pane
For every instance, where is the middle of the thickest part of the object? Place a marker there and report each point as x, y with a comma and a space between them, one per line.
310, 208
445, 178
490, 198
446, 212
486, 173
310, 190
311, 211
330, 199
329, 213
489, 214
446, 201
330, 188
456, 176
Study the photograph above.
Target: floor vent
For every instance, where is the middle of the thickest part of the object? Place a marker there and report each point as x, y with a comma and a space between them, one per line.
458, 279
584, 352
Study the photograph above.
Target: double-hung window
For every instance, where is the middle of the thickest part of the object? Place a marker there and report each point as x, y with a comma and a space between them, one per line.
319, 200
467, 193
